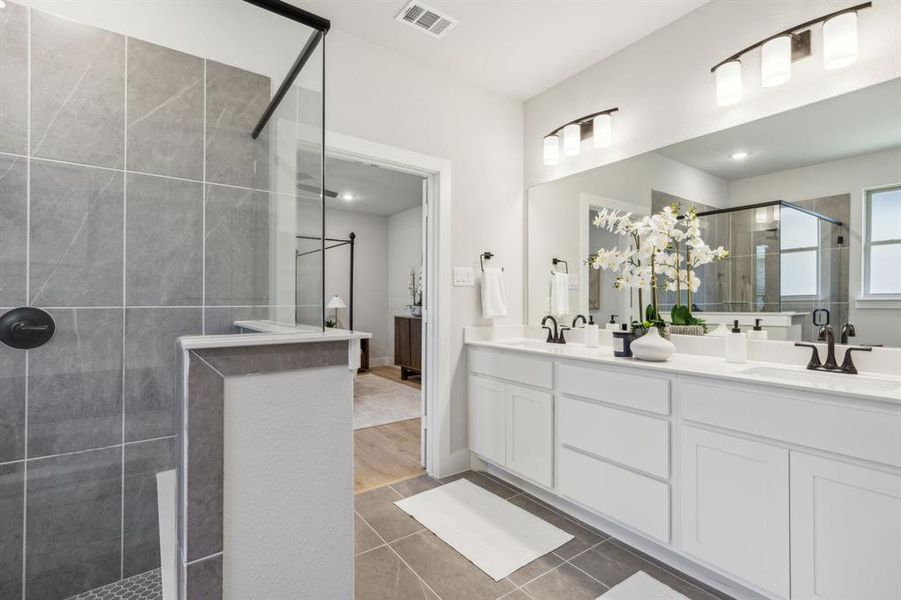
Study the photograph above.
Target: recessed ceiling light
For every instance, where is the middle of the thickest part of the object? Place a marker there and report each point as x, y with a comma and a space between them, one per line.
740, 155
347, 197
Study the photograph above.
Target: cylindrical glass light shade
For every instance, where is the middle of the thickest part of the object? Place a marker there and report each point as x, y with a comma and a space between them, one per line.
776, 61
840, 41
603, 130
728, 83
552, 150
572, 139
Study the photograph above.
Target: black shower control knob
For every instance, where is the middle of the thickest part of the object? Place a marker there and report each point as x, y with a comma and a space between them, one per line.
26, 327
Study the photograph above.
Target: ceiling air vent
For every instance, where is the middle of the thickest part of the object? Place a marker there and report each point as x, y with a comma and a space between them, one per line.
419, 16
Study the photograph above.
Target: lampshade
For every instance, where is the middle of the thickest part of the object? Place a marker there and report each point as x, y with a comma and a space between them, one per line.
603, 130
336, 302
552, 150
840, 41
572, 139
728, 83
776, 61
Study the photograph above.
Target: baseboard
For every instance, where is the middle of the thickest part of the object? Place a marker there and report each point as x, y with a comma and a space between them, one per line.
381, 361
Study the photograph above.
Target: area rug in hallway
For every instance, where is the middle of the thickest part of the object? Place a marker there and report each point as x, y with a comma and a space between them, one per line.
641, 586
378, 401
493, 534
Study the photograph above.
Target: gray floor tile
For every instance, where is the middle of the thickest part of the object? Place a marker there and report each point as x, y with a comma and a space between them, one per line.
164, 242
11, 528
536, 568
13, 226
584, 538
483, 481
74, 523
378, 509
416, 485
141, 518
565, 583
517, 595
381, 575
364, 537
610, 563
75, 383
151, 389
447, 571
76, 235
145, 586
165, 111
77, 92
14, 84
12, 402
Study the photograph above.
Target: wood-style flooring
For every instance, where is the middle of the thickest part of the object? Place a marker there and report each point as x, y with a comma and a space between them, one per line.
386, 454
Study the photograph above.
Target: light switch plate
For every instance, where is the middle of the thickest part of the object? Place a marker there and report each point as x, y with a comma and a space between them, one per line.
464, 277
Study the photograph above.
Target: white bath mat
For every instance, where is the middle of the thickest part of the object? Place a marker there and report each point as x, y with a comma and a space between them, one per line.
641, 586
495, 535
378, 401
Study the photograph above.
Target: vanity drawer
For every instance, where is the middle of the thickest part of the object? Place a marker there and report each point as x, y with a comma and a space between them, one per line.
643, 392
634, 500
850, 429
513, 367
634, 440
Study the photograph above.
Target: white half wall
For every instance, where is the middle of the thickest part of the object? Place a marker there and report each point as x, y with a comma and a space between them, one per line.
404, 254
849, 176
665, 91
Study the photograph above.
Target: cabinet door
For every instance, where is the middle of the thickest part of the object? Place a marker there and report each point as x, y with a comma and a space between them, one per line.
735, 507
530, 433
845, 531
487, 419
415, 344
401, 341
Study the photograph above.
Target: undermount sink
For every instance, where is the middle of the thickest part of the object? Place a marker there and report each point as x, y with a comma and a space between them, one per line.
834, 381
533, 345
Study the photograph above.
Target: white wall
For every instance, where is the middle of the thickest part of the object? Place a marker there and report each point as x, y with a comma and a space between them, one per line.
404, 253
666, 93
370, 274
848, 176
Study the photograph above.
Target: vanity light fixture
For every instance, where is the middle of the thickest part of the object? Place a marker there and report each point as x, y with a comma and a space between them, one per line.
780, 50
599, 125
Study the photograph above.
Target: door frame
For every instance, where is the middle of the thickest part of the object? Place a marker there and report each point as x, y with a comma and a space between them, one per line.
436, 312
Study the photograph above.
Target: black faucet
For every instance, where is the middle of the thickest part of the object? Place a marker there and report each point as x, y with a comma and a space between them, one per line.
554, 336
576, 320
826, 335
847, 365
846, 332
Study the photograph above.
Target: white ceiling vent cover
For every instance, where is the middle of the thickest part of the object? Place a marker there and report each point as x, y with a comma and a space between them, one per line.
424, 18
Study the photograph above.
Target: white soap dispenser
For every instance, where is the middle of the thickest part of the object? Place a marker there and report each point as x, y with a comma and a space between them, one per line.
612, 325
736, 345
757, 333
592, 339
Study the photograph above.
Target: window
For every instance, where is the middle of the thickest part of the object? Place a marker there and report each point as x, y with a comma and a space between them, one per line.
882, 250
799, 242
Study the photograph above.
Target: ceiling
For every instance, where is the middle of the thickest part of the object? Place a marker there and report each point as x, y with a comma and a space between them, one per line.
860, 122
376, 191
514, 48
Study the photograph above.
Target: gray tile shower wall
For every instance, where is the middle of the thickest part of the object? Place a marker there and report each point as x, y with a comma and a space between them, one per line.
136, 209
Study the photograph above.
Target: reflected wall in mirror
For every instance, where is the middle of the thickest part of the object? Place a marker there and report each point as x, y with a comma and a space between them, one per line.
808, 202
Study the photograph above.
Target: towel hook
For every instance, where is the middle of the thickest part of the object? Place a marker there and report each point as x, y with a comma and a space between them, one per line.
565, 264
486, 256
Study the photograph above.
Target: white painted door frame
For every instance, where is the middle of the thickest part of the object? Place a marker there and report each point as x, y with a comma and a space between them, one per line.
438, 277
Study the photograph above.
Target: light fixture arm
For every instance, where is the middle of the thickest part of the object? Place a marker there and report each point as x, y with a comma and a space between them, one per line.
791, 31
584, 120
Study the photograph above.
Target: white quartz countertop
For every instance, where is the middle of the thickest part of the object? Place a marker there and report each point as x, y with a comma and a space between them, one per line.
864, 386
275, 336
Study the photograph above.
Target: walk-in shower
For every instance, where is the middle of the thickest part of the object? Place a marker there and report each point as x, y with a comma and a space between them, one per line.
157, 165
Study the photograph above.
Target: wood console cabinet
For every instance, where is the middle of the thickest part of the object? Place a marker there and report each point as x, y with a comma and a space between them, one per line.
408, 345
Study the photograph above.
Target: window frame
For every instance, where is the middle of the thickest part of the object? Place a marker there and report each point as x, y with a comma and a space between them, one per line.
868, 243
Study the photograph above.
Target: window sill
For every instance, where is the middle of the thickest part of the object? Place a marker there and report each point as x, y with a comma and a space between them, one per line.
878, 303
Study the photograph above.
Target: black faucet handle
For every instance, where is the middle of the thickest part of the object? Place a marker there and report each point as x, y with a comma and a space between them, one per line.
814, 363
561, 339
847, 363
550, 336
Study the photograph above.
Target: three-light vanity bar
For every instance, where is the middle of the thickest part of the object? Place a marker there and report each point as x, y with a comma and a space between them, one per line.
598, 125
778, 51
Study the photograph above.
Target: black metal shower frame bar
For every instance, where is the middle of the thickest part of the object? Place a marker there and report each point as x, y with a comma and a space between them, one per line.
720, 211
338, 243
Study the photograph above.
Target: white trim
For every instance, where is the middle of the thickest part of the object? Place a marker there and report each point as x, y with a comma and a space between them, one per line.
440, 459
878, 303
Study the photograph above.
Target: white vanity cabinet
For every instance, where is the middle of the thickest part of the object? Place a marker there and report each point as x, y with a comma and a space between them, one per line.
488, 418
735, 506
845, 531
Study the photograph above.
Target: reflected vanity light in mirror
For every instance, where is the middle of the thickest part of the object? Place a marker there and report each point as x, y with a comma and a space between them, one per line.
740, 155
572, 139
840, 41
728, 83
603, 130
776, 61
552, 150
348, 197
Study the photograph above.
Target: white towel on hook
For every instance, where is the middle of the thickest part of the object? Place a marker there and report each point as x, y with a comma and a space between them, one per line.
559, 293
494, 298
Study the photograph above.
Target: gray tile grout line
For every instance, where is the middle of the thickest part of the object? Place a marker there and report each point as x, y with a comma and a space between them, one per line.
124, 302
27, 297
203, 213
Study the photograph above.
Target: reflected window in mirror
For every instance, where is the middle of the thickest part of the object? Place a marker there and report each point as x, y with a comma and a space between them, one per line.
882, 252
799, 242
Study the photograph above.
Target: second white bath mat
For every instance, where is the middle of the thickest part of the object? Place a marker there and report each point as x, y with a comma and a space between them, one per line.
495, 535
641, 586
